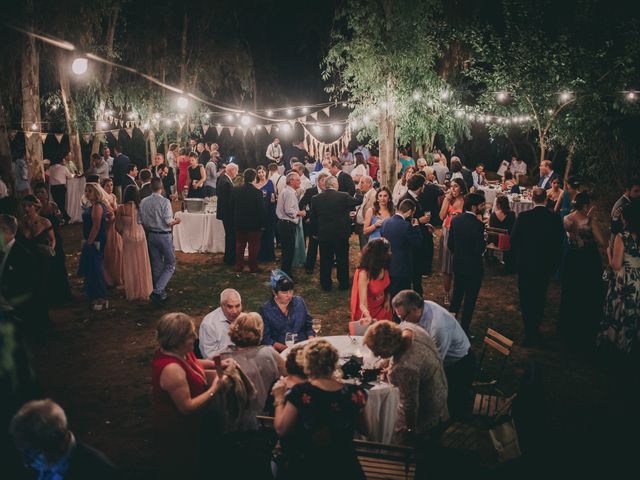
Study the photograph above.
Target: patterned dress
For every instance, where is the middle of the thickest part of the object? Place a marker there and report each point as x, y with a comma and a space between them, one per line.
621, 322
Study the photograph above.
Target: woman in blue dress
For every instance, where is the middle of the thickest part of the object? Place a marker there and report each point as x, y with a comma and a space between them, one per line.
267, 251
94, 220
375, 216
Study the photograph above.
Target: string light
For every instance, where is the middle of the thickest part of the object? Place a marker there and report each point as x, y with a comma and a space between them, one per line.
344, 104
444, 94
502, 96
285, 127
565, 96
218, 125
230, 117
34, 127
631, 96
168, 122
104, 125
334, 127
269, 113
430, 103
246, 120
145, 125
305, 110
80, 65
289, 112
417, 95
183, 102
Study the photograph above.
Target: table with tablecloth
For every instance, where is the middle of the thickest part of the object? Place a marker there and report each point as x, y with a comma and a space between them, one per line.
383, 399
518, 206
198, 233
490, 194
75, 191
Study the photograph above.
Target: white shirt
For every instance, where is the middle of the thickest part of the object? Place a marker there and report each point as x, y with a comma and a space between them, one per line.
214, 333
287, 207
109, 161
478, 181
518, 168
305, 183
274, 152
279, 182
58, 174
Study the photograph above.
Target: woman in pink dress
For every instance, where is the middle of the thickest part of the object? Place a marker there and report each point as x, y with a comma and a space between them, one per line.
113, 249
451, 206
136, 268
183, 168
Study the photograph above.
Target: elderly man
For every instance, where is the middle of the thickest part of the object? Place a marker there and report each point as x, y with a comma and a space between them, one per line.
305, 183
214, 329
365, 186
452, 343
225, 211
40, 431
157, 219
288, 213
330, 210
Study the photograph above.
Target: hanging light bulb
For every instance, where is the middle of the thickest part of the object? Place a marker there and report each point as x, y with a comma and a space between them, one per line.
417, 95
344, 104
269, 113
183, 102
502, 96
246, 120
80, 65
229, 117
34, 127
565, 96
631, 96
145, 125
289, 111
305, 110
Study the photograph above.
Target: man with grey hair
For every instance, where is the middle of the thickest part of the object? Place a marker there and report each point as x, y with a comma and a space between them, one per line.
330, 210
289, 214
365, 187
224, 187
305, 183
214, 329
452, 343
40, 431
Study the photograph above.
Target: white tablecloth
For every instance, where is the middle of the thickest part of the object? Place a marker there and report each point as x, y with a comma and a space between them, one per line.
383, 399
75, 190
198, 233
490, 194
519, 206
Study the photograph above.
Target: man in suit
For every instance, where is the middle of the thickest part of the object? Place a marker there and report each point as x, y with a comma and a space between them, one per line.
130, 177
120, 168
330, 209
365, 187
203, 154
294, 150
224, 188
165, 173
466, 243
145, 178
404, 237
249, 219
536, 243
415, 186
547, 175
430, 198
311, 228
464, 171
345, 182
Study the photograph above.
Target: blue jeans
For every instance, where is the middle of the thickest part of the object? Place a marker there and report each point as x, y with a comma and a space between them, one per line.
163, 261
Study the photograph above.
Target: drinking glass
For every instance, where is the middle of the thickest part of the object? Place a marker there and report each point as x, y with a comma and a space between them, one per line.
290, 339
316, 325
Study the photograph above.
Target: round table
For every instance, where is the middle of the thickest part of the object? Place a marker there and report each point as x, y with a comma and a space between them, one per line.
198, 233
383, 399
490, 194
75, 191
519, 206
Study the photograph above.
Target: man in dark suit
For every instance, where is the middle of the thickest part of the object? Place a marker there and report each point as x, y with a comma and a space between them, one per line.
536, 243
203, 154
224, 188
145, 179
330, 210
130, 177
310, 224
120, 168
294, 150
165, 173
249, 219
345, 182
404, 237
430, 199
415, 185
547, 175
466, 243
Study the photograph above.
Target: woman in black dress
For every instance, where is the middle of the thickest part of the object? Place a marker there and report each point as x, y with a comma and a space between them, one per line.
504, 218
324, 413
197, 177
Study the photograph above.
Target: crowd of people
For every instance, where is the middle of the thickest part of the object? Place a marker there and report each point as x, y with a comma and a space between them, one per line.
209, 381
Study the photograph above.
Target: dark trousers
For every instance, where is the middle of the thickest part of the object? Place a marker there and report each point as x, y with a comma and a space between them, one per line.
418, 263
338, 250
427, 253
229, 242
242, 239
362, 238
398, 283
532, 288
465, 287
287, 233
459, 378
312, 253
59, 194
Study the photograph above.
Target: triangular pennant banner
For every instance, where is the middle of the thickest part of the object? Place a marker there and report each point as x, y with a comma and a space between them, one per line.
205, 127
253, 130
326, 110
115, 133
292, 123
28, 134
128, 124
86, 137
232, 130
180, 124
219, 130
43, 137
129, 132
192, 127
59, 137
314, 115
268, 128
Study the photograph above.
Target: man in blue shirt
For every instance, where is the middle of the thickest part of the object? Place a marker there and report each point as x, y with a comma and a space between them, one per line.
157, 219
452, 342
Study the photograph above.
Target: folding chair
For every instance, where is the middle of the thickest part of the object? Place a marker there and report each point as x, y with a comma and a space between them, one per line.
496, 349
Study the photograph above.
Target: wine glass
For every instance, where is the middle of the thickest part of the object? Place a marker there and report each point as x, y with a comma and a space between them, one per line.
290, 339
316, 324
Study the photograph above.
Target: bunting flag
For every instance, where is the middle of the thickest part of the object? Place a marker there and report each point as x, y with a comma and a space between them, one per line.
86, 137
292, 123
59, 136
127, 124
43, 137
129, 132
115, 133
253, 130
232, 130
314, 115
28, 134
219, 130
268, 129
205, 127
326, 111
12, 134
192, 127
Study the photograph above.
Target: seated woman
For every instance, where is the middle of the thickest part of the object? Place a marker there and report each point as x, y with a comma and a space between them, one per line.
369, 298
509, 184
418, 373
503, 217
554, 194
284, 313
182, 386
324, 414
374, 217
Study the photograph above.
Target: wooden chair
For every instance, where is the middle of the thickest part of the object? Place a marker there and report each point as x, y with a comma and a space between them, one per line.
386, 462
496, 348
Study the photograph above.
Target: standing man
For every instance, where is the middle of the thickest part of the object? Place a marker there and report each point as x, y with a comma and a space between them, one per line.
547, 175
368, 198
106, 156
203, 154
157, 219
295, 150
120, 169
130, 177
145, 180
310, 223
249, 219
58, 176
274, 154
225, 211
279, 181
466, 243
536, 243
288, 214
631, 191
404, 236
331, 211
214, 329
345, 182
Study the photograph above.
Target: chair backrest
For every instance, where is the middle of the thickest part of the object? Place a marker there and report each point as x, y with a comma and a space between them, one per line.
495, 345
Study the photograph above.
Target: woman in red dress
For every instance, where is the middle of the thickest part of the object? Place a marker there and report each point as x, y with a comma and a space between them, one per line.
181, 386
183, 169
369, 299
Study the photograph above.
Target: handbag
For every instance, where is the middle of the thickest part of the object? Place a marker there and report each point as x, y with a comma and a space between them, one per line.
504, 242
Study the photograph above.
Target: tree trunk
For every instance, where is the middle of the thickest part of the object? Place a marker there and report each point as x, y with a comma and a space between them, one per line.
387, 139
543, 148
183, 52
153, 146
569, 165
5, 144
69, 111
30, 83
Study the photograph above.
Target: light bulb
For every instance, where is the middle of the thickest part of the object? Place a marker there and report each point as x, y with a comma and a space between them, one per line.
80, 66
502, 96
183, 102
269, 113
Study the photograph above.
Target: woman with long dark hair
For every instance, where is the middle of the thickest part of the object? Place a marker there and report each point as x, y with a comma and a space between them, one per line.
267, 251
451, 206
375, 216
